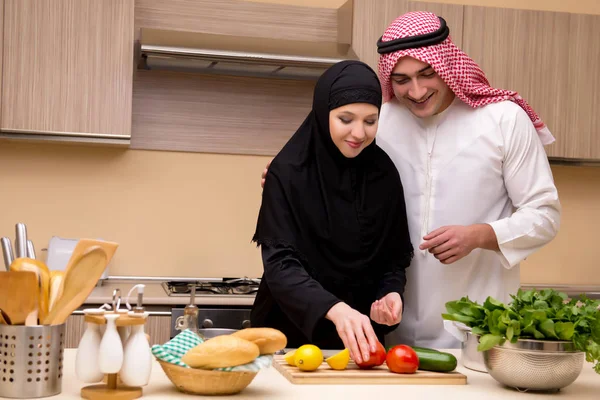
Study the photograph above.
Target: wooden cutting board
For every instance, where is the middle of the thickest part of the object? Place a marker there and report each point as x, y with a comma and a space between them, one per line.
353, 375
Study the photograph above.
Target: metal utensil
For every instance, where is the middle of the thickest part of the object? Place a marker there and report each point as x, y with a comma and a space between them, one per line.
191, 311
30, 249
189, 319
21, 240
7, 252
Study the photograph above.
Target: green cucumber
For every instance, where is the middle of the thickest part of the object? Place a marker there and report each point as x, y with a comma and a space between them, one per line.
434, 360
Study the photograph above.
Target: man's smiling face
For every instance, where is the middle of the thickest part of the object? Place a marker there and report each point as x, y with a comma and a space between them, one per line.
420, 88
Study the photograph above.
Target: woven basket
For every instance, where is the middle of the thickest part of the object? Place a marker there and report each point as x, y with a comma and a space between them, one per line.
206, 382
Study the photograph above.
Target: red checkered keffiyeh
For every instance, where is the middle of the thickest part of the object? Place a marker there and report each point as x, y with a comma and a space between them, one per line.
464, 77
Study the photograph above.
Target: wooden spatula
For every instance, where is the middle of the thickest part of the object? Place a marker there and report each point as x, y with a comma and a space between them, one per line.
43, 276
20, 294
81, 275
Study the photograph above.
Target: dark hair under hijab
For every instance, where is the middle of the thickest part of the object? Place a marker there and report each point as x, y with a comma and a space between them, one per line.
344, 218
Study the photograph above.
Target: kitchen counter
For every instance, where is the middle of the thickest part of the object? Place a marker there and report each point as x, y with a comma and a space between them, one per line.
154, 294
270, 384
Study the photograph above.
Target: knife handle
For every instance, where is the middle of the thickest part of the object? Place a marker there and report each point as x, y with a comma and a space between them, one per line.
30, 250
7, 252
21, 241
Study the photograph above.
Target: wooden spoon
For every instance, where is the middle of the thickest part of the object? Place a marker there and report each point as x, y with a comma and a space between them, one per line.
84, 244
20, 294
81, 275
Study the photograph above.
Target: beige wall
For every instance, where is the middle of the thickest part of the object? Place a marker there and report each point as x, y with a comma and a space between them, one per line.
193, 214
185, 214
572, 258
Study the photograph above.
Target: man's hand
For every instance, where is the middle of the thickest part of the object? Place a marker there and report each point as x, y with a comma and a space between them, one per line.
451, 243
387, 310
264, 174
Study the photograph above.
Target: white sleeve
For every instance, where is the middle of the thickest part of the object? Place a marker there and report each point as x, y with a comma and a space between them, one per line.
530, 186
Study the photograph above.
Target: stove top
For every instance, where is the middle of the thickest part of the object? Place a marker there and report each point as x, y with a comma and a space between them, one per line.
224, 286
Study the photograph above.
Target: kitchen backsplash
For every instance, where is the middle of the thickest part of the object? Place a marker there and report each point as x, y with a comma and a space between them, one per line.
193, 214
173, 213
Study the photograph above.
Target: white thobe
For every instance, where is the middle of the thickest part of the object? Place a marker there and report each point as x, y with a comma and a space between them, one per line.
467, 166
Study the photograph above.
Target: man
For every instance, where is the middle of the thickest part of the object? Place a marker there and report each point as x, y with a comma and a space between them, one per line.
480, 195
479, 191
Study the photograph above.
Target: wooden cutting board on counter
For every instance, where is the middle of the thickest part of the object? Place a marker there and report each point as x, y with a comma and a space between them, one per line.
353, 375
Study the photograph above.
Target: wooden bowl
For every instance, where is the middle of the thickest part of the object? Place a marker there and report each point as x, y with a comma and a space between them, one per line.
207, 382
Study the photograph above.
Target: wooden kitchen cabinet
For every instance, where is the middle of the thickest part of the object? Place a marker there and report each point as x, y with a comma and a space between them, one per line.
525, 51
74, 329
549, 58
68, 68
158, 327
582, 112
369, 20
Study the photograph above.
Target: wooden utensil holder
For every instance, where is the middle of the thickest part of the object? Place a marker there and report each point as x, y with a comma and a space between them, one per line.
112, 390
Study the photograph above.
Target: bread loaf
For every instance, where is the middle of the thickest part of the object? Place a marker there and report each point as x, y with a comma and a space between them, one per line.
221, 351
268, 340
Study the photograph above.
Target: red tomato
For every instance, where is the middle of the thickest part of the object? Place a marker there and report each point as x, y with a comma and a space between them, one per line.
376, 358
402, 359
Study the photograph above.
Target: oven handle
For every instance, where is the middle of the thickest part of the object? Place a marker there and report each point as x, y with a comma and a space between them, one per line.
150, 313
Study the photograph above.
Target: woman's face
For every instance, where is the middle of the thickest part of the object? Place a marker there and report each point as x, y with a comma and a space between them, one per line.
353, 127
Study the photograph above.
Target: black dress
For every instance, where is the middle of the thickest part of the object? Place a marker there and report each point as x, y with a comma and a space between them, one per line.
288, 299
331, 228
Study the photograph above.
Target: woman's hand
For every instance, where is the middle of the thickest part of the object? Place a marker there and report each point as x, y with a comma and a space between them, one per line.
355, 330
387, 310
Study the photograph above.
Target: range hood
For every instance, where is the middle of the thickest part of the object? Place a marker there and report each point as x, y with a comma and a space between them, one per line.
237, 55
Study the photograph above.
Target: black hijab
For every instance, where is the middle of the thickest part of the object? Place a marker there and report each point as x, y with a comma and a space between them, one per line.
344, 217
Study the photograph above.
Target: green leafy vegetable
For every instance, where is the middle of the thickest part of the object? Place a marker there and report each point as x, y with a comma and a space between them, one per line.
542, 315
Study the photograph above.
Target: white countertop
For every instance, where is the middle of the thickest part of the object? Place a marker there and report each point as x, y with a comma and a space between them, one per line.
270, 384
154, 294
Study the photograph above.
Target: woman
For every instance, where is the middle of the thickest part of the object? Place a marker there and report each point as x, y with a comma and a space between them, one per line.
332, 225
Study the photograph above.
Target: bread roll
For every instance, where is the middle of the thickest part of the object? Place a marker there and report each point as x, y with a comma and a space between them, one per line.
221, 351
269, 340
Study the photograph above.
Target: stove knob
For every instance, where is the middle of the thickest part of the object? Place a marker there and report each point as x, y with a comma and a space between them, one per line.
246, 324
207, 323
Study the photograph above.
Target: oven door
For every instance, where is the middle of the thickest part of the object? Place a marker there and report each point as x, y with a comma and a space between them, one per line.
215, 318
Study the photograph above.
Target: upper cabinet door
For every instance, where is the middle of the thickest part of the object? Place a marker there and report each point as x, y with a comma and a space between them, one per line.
525, 51
68, 67
583, 109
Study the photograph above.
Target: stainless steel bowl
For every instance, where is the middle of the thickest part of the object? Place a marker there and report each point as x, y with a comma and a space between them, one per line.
472, 358
534, 364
